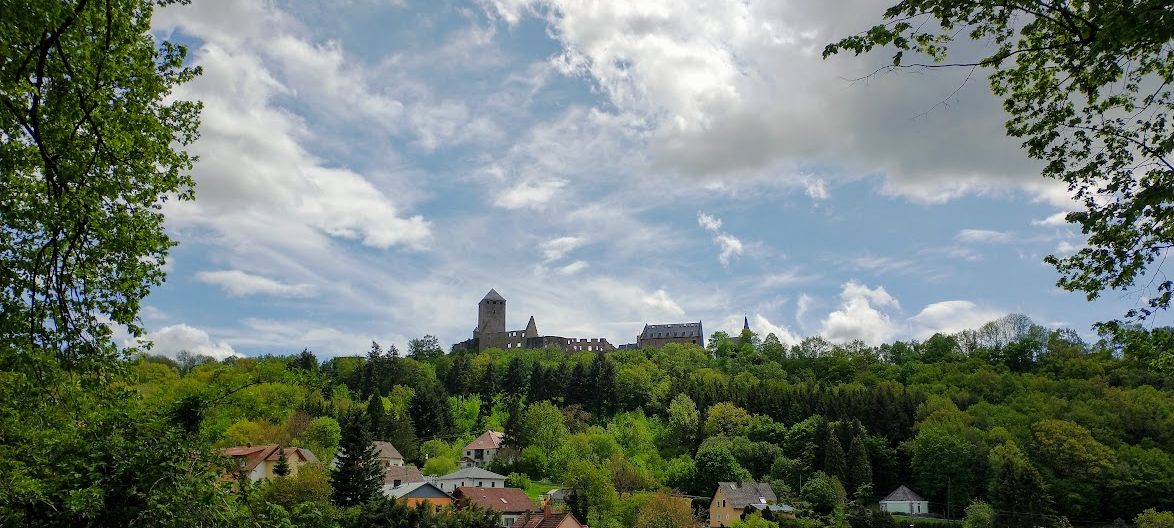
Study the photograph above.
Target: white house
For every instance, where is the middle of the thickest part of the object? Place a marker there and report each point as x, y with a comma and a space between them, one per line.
469, 477
481, 451
387, 453
903, 500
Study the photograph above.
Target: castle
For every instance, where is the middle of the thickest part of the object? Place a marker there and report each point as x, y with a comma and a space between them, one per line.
491, 333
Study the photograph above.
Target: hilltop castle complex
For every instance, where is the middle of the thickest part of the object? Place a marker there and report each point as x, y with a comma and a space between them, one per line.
491, 333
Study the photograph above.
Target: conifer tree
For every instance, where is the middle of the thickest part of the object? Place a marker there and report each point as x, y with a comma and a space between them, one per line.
377, 417
282, 467
358, 476
835, 462
859, 466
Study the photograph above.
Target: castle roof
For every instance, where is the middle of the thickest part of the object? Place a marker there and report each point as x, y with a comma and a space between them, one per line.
671, 330
493, 296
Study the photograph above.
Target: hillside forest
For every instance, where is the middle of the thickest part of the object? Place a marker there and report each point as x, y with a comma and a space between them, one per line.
1011, 424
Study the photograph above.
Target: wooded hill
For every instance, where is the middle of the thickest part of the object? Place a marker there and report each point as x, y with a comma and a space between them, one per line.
1034, 422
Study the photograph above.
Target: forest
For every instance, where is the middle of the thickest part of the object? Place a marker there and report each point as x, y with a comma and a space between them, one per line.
1011, 424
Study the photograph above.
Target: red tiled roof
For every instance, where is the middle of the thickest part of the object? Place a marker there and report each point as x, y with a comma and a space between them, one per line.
545, 521
489, 440
253, 455
504, 500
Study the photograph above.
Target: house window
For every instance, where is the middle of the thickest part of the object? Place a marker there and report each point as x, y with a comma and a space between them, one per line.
395, 483
480, 484
492, 484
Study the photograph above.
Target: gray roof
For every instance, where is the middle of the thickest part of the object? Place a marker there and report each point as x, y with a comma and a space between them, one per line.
403, 474
471, 473
386, 450
903, 494
671, 330
493, 296
417, 489
743, 494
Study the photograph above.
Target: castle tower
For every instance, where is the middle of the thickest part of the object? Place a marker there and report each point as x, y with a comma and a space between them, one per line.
491, 314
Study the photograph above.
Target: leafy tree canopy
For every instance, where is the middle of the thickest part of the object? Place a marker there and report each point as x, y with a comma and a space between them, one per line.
1087, 85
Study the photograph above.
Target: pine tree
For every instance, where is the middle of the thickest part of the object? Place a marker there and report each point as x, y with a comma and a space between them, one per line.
377, 417
835, 463
358, 476
517, 378
282, 467
859, 466
429, 412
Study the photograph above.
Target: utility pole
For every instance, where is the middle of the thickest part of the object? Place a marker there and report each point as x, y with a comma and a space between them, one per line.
949, 499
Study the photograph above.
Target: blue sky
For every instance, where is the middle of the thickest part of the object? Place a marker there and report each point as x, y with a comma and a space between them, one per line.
369, 169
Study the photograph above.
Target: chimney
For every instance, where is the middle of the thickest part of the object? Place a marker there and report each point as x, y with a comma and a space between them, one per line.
546, 511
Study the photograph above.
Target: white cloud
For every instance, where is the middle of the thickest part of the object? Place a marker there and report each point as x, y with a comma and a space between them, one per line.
709, 223
573, 268
558, 248
171, 340
239, 284
860, 315
660, 300
1057, 220
731, 247
983, 236
949, 317
533, 195
802, 306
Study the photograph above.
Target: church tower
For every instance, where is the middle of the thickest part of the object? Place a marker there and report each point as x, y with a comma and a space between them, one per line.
491, 314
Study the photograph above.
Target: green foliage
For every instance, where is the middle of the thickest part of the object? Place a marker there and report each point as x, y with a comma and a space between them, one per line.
90, 152
1155, 519
979, 515
517, 480
358, 475
324, 431
311, 484
725, 419
1086, 85
820, 492
1017, 490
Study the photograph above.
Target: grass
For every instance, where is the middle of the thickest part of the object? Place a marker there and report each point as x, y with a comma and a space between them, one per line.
538, 489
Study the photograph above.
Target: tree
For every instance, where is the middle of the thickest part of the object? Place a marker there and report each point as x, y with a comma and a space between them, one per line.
1155, 519
859, 466
1087, 87
835, 462
91, 149
426, 348
665, 511
684, 421
1017, 490
358, 475
725, 419
281, 469
428, 410
979, 515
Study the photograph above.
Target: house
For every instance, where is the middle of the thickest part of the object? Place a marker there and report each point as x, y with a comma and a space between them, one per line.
903, 500
417, 492
388, 455
557, 496
481, 451
511, 503
397, 476
469, 477
548, 520
731, 498
258, 462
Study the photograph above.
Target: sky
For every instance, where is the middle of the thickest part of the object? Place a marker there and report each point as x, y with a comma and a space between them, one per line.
369, 169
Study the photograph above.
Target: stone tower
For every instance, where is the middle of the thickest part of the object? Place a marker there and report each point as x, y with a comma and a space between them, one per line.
491, 314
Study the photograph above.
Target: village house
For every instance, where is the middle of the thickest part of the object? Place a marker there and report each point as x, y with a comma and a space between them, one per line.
388, 454
903, 500
258, 462
469, 477
548, 520
481, 451
417, 492
397, 476
511, 503
731, 498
